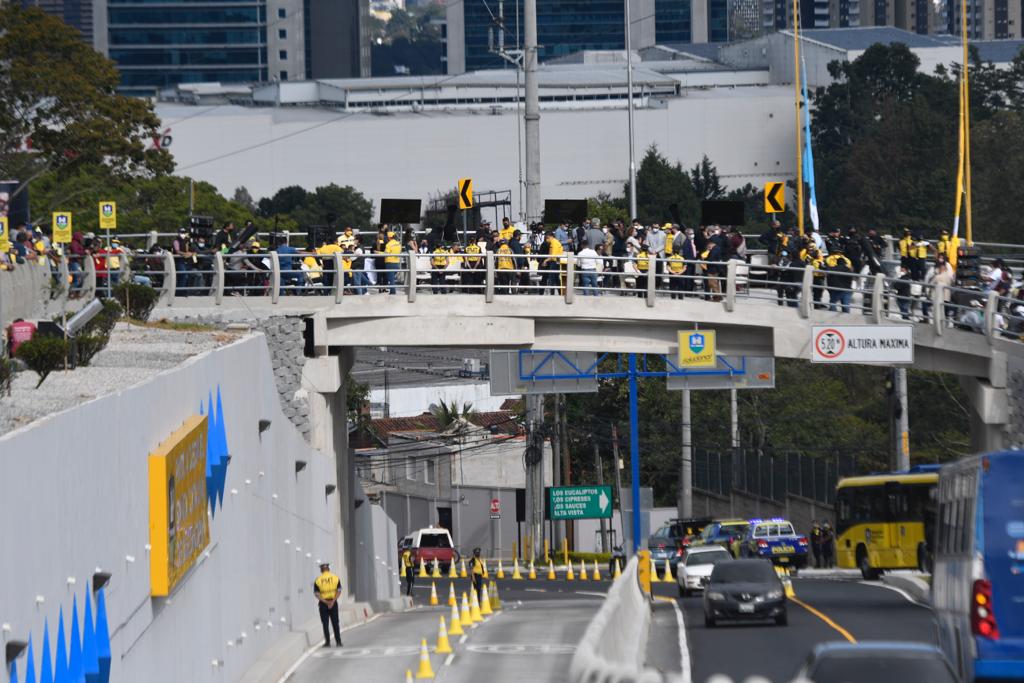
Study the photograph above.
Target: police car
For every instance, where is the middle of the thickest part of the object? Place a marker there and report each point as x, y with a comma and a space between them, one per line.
776, 540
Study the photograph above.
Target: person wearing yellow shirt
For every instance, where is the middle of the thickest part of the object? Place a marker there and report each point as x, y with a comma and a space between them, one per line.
326, 252
392, 262
326, 589
505, 265
473, 275
507, 230
552, 265
676, 267
438, 264
347, 240
810, 256
477, 572
643, 265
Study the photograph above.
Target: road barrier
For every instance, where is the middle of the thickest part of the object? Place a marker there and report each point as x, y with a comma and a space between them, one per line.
614, 646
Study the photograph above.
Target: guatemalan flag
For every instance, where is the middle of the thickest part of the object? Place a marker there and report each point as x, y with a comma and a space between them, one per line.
808, 156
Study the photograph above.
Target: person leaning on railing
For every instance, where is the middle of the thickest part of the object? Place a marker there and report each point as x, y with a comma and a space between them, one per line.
810, 256
839, 278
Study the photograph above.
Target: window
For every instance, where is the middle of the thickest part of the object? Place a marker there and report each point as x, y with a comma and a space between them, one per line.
284, 75
431, 472
282, 33
282, 54
281, 13
410, 469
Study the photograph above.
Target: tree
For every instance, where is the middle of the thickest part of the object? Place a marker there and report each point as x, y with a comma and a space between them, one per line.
705, 181
449, 413
664, 189
244, 199
606, 208
334, 205
285, 201
60, 109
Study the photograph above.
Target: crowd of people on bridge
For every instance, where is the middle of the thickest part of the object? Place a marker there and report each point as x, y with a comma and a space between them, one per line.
618, 257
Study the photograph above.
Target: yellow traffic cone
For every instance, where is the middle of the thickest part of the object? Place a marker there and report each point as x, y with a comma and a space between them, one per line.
667, 578
551, 570
456, 623
453, 572
516, 574
570, 575
654, 572
423, 570
466, 618
618, 570
495, 599
486, 575
532, 576
501, 569
443, 646
597, 572
485, 602
583, 571
433, 594
462, 570
436, 574
451, 595
408, 676
474, 608
425, 670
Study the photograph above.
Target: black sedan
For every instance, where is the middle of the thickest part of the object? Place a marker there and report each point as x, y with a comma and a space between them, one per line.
744, 589
876, 662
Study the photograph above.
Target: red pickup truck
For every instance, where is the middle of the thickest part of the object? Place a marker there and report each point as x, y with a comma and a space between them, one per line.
430, 544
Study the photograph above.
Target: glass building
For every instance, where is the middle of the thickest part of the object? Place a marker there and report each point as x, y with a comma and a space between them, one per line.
159, 45
672, 21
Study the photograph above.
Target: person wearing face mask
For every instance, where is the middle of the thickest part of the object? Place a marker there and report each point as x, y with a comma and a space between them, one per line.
204, 261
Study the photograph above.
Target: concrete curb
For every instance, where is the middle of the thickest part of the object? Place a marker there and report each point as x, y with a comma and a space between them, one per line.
912, 585
275, 662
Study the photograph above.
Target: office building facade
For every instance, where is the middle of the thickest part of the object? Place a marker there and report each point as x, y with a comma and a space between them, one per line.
986, 19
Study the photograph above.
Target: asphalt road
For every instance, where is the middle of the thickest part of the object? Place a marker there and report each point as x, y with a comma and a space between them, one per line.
531, 639
830, 608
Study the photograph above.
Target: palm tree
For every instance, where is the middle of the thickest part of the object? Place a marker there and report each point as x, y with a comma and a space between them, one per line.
449, 414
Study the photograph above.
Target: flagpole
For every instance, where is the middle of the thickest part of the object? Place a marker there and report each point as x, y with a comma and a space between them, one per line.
799, 140
965, 107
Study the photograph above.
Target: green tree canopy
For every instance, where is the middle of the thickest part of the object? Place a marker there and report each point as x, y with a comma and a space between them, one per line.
60, 109
660, 186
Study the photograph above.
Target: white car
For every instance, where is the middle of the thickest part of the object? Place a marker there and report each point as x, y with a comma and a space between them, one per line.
695, 568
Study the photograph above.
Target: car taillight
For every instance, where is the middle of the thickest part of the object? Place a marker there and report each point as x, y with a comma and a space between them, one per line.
983, 620
686, 541
762, 544
802, 540
679, 552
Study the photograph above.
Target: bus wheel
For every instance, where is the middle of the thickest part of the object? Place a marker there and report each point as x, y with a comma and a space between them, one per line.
866, 570
923, 561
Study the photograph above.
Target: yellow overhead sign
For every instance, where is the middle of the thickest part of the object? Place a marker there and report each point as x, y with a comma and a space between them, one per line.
178, 524
108, 216
61, 227
465, 189
697, 349
774, 198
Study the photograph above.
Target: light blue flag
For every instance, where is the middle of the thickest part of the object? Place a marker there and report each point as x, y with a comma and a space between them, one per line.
90, 660
102, 637
14, 671
45, 665
30, 663
808, 154
60, 658
75, 646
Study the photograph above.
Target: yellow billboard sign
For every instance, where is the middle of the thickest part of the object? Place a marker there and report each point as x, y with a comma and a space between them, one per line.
178, 524
697, 349
61, 227
108, 216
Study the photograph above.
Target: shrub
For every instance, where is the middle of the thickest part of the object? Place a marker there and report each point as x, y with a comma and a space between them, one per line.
43, 355
87, 346
138, 300
103, 323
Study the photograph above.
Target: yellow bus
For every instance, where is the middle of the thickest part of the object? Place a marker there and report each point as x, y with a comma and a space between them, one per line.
885, 521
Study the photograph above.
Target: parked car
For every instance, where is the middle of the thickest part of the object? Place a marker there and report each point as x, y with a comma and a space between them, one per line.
670, 541
694, 569
430, 544
775, 540
875, 662
726, 533
744, 589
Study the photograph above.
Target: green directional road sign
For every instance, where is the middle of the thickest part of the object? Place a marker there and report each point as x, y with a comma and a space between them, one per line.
579, 502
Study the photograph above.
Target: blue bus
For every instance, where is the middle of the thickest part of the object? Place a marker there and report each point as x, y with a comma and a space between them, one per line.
978, 576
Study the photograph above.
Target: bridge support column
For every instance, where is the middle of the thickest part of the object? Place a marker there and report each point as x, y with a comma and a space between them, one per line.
324, 380
989, 414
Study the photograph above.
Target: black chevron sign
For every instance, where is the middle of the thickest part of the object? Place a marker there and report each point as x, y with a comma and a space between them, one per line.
465, 193
774, 199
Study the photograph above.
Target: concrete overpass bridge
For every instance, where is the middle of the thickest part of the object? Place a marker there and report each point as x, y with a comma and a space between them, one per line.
964, 337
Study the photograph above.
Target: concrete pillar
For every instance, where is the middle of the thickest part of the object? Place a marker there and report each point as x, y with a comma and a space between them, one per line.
989, 414
324, 380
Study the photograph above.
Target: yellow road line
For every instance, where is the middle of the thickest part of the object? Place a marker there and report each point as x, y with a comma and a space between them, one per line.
842, 631
663, 598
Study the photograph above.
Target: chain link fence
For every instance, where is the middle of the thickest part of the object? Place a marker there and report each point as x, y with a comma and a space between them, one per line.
774, 474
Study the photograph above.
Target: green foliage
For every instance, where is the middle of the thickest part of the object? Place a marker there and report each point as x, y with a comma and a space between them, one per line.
87, 346
334, 205
606, 208
357, 395
448, 413
73, 115
661, 185
137, 300
589, 558
6, 375
44, 354
103, 323
705, 181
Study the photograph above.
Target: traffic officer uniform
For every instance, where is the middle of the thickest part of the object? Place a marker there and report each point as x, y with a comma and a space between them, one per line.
478, 573
409, 570
347, 240
326, 588
438, 263
810, 256
392, 261
643, 265
505, 265
908, 254
919, 250
676, 266
473, 263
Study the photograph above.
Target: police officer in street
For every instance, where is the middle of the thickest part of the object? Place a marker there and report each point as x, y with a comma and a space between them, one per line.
828, 539
478, 573
816, 541
326, 588
410, 573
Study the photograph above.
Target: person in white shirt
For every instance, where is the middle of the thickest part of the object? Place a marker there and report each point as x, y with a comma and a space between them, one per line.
587, 259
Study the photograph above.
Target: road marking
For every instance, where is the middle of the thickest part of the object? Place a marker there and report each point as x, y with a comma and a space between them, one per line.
684, 647
842, 631
536, 590
905, 594
593, 593
449, 659
463, 639
522, 649
306, 655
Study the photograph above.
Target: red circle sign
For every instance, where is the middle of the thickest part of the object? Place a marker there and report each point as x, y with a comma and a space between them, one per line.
829, 343
495, 506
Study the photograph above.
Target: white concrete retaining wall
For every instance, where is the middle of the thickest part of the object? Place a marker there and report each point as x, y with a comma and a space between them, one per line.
74, 497
614, 646
23, 292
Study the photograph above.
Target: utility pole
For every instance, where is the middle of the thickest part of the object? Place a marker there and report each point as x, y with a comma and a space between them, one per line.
534, 472
600, 482
686, 463
901, 447
629, 109
617, 466
531, 118
570, 525
557, 527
